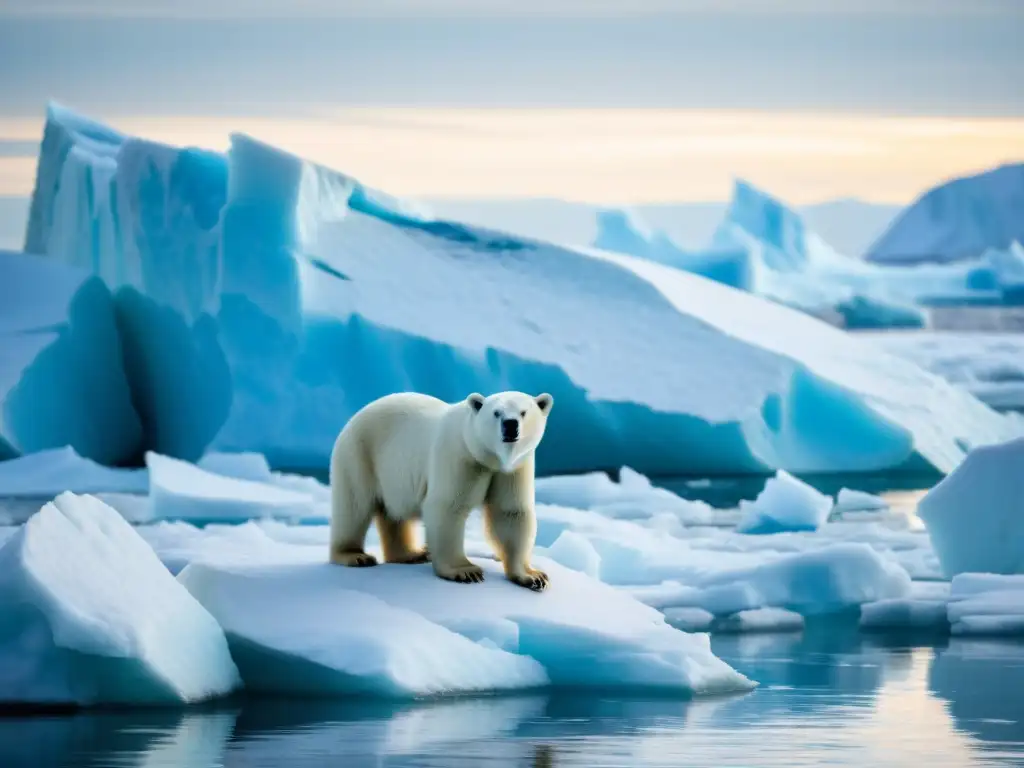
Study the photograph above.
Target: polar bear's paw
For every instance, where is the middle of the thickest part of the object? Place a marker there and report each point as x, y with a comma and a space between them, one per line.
353, 559
463, 574
533, 579
414, 558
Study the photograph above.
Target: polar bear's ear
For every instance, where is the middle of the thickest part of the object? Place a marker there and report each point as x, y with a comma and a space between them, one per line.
544, 402
476, 401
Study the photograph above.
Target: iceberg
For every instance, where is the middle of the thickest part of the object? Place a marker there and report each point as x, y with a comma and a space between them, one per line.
765, 247
784, 504
493, 636
91, 616
1008, 271
265, 299
957, 220
975, 515
62, 381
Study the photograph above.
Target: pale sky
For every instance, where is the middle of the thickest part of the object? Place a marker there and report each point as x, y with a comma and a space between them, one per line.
599, 100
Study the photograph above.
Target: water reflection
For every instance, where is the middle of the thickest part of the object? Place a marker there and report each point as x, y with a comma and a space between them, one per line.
982, 684
826, 697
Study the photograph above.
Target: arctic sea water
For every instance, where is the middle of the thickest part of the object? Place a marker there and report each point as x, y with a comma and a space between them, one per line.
827, 697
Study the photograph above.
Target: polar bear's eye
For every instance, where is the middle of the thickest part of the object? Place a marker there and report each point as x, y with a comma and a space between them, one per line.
497, 414
522, 414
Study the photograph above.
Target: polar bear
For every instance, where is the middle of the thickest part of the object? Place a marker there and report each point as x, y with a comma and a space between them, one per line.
408, 456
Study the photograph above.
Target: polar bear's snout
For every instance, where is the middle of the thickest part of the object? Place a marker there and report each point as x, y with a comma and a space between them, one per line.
509, 430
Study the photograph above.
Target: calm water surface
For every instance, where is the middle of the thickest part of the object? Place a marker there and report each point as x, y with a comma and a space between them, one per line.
826, 698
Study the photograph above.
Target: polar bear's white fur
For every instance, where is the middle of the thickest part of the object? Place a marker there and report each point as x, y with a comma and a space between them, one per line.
408, 456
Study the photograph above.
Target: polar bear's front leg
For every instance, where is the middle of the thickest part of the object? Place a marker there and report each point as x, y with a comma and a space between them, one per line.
511, 525
445, 529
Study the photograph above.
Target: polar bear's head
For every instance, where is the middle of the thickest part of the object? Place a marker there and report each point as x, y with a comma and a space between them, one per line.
509, 425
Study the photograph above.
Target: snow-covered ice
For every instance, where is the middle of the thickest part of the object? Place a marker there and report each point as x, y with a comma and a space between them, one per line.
816, 582
91, 616
47, 473
184, 491
451, 637
986, 604
849, 499
634, 496
989, 365
305, 629
576, 552
785, 504
975, 515
62, 380
263, 300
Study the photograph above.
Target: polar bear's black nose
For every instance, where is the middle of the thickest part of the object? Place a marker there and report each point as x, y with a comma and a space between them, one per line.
510, 430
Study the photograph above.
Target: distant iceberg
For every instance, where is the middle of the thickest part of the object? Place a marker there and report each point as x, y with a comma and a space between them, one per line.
765, 247
62, 381
957, 220
264, 299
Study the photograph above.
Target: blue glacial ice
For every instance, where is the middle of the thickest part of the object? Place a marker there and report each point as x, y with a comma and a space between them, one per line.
975, 515
62, 381
264, 300
784, 504
495, 636
91, 616
957, 220
764, 247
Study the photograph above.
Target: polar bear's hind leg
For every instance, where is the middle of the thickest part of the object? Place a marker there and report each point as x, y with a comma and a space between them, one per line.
397, 539
351, 513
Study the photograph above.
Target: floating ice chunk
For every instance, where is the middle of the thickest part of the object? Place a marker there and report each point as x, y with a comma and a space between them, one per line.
48, 473
975, 515
369, 647
905, 614
576, 552
182, 491
986, 604
822, 581
254, 466
761, 620
690, 619
785, 504
582, 632
62, 380
634, 497
851, 500
91, 616
242, 466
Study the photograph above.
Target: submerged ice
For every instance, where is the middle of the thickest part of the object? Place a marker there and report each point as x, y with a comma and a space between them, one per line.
263, 300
